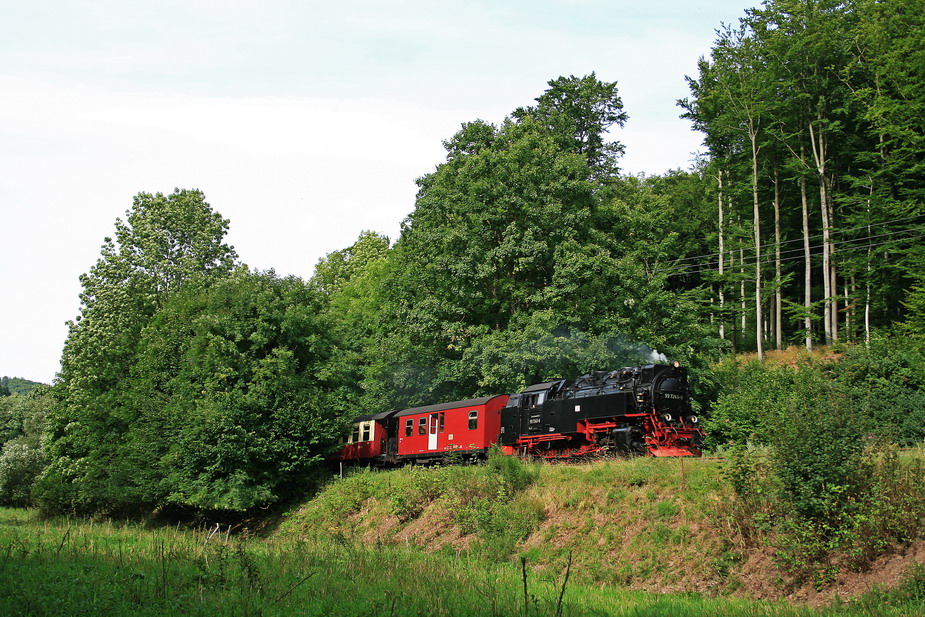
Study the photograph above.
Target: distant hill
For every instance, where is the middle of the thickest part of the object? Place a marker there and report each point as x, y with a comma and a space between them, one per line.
16, 385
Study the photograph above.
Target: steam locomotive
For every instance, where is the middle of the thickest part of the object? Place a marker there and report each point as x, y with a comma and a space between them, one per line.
633, 410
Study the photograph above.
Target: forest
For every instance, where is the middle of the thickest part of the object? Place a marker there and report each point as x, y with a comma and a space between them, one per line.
190, 381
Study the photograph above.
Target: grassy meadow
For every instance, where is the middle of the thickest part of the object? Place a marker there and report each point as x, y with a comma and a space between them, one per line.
456, 540
67, 567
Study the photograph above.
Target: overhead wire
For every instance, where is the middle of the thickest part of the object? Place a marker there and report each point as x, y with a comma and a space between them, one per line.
674, 267
820, 235
851, 248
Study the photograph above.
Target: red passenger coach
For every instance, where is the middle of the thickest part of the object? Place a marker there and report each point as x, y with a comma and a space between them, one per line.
425, 433
369, 439
468, 427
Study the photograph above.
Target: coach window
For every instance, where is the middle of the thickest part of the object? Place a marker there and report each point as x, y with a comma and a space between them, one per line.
355, 436
442, 421
473, 420
367, 431
422, 426
409, 427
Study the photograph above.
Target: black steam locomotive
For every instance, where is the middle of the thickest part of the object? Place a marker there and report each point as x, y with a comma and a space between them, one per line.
641, 409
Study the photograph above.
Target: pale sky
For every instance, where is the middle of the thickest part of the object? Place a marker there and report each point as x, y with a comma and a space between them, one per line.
303, 122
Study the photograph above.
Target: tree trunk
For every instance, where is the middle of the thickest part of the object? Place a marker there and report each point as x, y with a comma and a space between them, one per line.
778, 299
722, 296
818, 143
807, 268
742, 291
756, 223
867, 277
735, 337
850, 315
834, 276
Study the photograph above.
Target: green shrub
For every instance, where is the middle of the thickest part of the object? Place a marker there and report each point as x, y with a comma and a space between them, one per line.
886, 384
750, 400
513, 471
424, 485
818, 450
20, 465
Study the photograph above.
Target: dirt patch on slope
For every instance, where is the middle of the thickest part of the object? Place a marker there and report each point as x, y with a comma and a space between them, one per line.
431, 531
884, 573
761, 579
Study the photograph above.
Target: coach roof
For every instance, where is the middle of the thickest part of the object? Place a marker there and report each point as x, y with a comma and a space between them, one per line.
472, 402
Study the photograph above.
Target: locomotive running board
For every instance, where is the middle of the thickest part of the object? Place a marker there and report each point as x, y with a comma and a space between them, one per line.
672, 451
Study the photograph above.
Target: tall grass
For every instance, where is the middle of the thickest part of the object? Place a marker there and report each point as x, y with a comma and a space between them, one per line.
68, 567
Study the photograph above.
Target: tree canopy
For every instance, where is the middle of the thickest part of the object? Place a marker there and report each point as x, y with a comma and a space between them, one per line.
165, 242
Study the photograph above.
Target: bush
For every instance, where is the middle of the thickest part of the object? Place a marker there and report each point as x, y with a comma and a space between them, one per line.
749, 404
425, 485
886, 384
883, 385
514, 473
20, 465
818, 450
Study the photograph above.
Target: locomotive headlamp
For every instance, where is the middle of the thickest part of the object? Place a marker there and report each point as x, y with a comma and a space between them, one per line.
694, 419
667, 417
676, 364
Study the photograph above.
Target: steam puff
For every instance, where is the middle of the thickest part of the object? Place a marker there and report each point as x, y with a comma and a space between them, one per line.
655, 357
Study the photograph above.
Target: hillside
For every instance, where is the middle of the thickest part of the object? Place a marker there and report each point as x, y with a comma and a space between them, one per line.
17, 385
663, 525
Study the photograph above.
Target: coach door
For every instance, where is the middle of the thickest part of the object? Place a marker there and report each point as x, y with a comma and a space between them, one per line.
432, 431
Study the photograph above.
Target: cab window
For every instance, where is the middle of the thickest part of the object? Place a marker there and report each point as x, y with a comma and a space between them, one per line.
532, 401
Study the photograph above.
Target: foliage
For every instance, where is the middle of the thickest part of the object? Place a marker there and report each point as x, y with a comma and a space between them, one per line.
351, 286
23, 416
579, 111
339, 268
20, 465
244, 413
230, 409
515, 475
22, 423
885, 513
811, 113
885, 381
828, 493
822, 499
749, 406
163, 243
818, 450
880, 388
